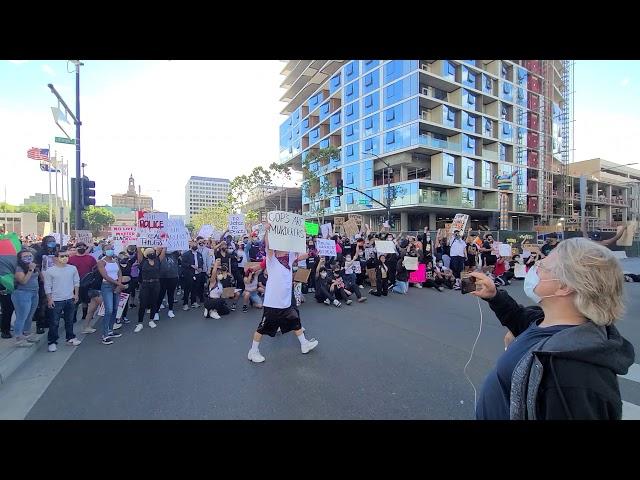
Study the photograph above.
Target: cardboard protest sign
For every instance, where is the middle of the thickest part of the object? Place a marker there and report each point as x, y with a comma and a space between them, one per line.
205, 231
626, 240
178, 236
311, 228
410, 263
459, 223
228, 292
123, 236
326, 247
504, 249
152, 229
350, 228
356, 267
61, 241
124, 297
385, 246
357, 217
236, 225
84, 236
327, 230
302, 275
519, 270
259, 229
338, 221
287, 232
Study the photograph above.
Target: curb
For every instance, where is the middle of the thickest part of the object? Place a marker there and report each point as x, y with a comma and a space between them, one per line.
13, 357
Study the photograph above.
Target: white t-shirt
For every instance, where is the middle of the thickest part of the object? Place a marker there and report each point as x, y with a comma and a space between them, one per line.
277, 294
457, 247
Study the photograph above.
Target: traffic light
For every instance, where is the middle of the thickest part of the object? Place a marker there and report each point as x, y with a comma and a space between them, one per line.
88, 192
340, 187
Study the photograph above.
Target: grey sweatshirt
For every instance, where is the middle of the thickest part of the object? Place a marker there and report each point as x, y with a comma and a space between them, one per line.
60, 281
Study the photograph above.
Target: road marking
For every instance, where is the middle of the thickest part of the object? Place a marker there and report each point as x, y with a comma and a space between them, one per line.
633, 374
630, 411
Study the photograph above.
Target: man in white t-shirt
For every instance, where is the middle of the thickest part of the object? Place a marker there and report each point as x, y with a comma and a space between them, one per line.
278, 311
458, 254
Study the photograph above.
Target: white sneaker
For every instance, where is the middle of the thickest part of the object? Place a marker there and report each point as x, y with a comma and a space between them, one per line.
52, 348
156, 316
148, 310
327, 301
309, 345
89, 331
74, 342
195, 305
337, 303
255, 357
348, 302
185, 308
117, 326
138, 328
152, 324
170, 314
162, 307
361, 286
206, 313
214, 314
418, 285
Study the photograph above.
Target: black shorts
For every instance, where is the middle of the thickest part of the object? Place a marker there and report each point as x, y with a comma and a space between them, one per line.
490, 260
86, 295
286, 318
471, 261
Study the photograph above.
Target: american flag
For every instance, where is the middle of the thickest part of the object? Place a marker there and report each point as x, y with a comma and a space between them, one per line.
38, 153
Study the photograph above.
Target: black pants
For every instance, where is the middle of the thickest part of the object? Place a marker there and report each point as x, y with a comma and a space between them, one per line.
382, 287
341, 294
190, 288
322, 293
7, 311
217, 304
133, 286
457, 265
392, 273
507, 276
149, 292
168, 287
353, 288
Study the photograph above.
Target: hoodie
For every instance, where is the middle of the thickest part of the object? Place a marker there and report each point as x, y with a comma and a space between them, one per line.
571, 375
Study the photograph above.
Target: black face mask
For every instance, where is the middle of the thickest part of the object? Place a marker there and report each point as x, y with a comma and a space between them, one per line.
81, 250
194, 248
151, 256
123, 264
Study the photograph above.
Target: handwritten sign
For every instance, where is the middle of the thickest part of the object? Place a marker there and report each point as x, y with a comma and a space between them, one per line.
495, 248
326, 247
385, 246
311, 228
236, 224
61, 241
327, 230
504, 249
178, 236
357, 217
369, 252
287, 232
84, 236
123, 236
152, 229
124, 297
302, 275
206, 231
351, 228
410, 263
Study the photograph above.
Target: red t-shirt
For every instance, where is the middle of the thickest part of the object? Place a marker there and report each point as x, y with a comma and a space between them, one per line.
84, 263
500, 268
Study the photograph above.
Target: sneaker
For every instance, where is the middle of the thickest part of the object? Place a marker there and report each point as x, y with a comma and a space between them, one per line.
24, 343
125, 320
8, 335
114, 335
214, 314
206, 313
156, 316
138, 328
74, 342
170, 314
418, 285
348, 302
279, 332
195, 305
309, 345
33, 338
456, 287
255, 357
107, 341
233, 307
337, 303
148, 310
185, 308
245, 308
152, 324
327, 301
440, 288
89, 331
52, 347
362, 299
162, 307
117, 326
39, 331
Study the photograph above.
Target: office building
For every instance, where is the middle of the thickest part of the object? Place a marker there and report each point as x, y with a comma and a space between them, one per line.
42, 199
203, 192
268, 197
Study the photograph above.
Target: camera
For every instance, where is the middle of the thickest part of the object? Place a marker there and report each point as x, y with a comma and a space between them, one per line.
467, 284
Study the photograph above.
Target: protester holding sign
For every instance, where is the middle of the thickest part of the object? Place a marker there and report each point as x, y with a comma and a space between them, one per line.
279, 313
110, 291
169, 274
149, 261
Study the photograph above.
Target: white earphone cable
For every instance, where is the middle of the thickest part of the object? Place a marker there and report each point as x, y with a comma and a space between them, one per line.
475, 393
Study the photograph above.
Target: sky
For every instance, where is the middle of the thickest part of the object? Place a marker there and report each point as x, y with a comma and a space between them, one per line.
163, 121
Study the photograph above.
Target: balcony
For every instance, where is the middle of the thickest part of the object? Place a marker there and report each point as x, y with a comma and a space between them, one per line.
439, 144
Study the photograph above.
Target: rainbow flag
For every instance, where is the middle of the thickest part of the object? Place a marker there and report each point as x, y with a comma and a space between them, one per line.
9, 247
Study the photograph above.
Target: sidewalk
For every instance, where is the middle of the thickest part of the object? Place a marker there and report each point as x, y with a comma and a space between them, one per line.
11, 357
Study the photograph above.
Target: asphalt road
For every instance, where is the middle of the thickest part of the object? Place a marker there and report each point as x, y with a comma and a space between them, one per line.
400, 357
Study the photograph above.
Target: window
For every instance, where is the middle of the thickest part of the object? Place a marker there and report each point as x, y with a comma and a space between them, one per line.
471, 100
349, 89
349, 178
335, 81
368, 144
389, 114
470, 121
350, 199
368, 79
506, 129
349, 150
451, 69
487, 125
390, 138
349, 109
488, 85
450, 169
368, 101
503, 72
506, 87
324, 109
349, 69
451, 115
470, 142
368, 123
470, 172
348, 130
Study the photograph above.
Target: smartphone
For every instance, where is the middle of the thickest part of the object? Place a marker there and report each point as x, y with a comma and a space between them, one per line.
467, 284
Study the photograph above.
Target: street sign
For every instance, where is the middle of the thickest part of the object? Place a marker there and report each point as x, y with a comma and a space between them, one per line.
70, 141
362, 201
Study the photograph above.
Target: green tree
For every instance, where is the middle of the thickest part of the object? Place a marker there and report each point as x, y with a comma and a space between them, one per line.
98, 217
242, 186
315, 185
40, 209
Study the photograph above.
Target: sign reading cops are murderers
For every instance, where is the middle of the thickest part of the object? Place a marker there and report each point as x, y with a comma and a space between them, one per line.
287, 232
151, 229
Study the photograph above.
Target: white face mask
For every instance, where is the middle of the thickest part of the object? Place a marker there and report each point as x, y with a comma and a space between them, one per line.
531, 281
323, 274
220, 277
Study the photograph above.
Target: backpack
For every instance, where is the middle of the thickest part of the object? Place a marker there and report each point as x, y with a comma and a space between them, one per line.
92, 280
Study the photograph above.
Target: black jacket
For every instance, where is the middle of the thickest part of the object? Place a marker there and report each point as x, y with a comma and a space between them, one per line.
402, 274
188, 260
579, 365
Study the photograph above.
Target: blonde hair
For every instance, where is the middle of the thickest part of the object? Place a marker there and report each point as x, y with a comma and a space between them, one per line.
595, 274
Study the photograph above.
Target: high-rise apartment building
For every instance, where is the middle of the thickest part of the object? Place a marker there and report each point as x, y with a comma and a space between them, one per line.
203, 192
443, 130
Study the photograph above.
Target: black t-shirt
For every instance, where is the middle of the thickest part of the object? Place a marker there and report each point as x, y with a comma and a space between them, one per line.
262, 279
495, 394
487, 244
546, 248
148, 271
229, 260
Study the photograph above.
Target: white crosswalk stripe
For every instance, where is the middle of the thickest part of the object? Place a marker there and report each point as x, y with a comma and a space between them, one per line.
631, 411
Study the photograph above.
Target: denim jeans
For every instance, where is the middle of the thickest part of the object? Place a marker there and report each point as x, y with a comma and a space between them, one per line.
110, 299
66, 309
25, 303
401, 287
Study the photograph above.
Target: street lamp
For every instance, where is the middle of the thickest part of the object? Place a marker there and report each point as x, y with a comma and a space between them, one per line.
389, 172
